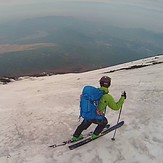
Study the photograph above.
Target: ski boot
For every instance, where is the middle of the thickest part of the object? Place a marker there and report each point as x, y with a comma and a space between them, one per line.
94, 136
74, 138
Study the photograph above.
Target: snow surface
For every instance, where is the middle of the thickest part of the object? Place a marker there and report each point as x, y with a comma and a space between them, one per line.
37, 112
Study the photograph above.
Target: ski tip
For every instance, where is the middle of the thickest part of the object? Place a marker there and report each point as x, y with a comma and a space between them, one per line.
122, 122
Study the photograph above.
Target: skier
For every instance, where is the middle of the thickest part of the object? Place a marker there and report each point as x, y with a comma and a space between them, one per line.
106, 100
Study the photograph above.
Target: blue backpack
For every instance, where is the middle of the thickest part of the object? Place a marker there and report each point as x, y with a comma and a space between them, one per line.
89, 102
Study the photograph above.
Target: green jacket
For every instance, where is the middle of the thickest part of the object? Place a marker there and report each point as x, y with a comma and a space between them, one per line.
108, 100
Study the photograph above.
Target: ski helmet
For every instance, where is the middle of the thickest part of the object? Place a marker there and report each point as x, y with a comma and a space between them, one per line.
105, 81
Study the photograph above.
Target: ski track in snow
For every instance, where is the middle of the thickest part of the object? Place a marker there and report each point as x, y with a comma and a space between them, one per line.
37, 112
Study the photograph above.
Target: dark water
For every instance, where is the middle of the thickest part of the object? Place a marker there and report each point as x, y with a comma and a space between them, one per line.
80, 46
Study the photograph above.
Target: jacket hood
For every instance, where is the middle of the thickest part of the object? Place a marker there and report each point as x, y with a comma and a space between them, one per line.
106, 90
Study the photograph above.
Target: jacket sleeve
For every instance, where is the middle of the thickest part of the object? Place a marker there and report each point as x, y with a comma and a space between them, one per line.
114, 105
108, 100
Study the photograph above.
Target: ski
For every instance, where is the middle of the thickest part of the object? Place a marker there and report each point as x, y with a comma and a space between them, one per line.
70, 141
89, 139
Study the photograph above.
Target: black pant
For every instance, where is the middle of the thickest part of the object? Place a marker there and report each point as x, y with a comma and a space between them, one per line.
86, 123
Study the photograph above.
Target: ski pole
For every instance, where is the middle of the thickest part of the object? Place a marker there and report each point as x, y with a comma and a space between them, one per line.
113, 138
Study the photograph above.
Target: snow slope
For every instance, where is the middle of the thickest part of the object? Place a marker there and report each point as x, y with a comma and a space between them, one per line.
37, 112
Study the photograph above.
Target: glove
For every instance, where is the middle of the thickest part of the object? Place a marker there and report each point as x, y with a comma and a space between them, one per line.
123, 94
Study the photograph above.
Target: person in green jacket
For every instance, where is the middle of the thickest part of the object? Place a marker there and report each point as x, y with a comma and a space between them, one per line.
106, 100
